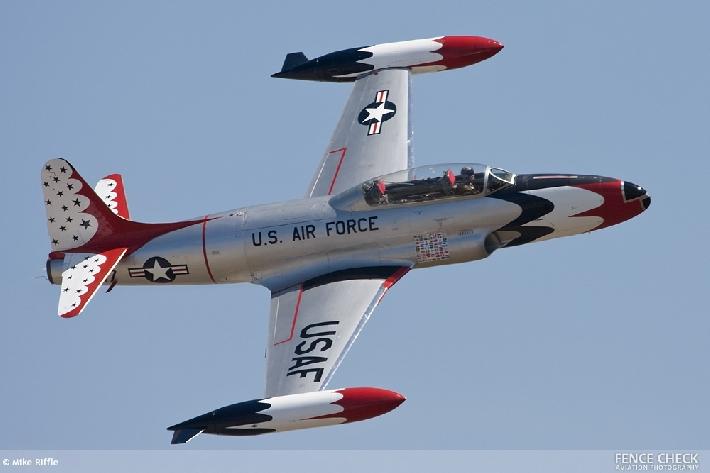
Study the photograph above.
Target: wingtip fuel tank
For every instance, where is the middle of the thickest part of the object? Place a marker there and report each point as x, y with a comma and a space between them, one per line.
420, 55
290, 412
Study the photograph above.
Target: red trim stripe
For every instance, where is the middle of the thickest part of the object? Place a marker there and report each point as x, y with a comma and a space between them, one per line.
295, 317
342, 152
204, 249
391, 281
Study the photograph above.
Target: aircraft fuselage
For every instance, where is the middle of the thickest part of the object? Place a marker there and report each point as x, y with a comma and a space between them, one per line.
309, 237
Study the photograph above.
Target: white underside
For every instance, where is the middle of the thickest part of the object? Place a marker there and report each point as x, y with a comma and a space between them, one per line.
568, 201
296, 411
402, 54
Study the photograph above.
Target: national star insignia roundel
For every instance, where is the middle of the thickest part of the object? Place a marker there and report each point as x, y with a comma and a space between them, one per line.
377, 112
158, 269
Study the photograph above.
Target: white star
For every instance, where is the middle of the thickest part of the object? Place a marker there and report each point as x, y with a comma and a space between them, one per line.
377, 113
158, 271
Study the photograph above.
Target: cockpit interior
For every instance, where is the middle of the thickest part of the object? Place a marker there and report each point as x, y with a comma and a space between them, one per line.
427, 183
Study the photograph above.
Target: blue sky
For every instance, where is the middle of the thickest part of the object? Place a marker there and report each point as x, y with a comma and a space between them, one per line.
594, 341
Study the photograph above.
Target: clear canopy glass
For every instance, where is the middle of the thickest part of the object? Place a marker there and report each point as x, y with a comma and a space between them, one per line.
427, 183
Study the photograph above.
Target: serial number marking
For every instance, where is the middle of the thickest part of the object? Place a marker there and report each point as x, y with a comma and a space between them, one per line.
307, 232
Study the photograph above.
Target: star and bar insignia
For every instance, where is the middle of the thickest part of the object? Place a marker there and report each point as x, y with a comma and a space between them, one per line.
379, 111
158, 269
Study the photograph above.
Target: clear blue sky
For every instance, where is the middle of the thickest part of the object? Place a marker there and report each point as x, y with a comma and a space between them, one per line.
594, 341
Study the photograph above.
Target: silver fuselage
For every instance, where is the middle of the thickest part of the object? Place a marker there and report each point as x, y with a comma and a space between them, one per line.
308, 237
286, 243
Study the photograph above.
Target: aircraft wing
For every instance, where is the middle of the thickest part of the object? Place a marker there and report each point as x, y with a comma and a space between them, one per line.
313, 324
372, 137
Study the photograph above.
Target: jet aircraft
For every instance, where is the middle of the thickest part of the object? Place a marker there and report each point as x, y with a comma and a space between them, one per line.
368, 217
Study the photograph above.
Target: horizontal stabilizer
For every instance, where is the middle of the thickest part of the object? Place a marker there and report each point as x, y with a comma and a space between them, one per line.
81, 281
90, 232
293, 60
184, 435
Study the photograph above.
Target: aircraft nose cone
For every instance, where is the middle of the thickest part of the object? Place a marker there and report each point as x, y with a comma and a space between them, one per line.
621, 200
633, 191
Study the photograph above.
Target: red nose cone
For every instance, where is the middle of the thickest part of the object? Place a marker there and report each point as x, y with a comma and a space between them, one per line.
622, 201
366, 403
460, 51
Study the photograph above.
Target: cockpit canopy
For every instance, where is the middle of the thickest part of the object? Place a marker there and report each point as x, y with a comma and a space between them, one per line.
425, 184
441, 181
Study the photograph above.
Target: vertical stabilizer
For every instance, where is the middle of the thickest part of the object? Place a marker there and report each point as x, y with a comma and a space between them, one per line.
293, 60
75, 214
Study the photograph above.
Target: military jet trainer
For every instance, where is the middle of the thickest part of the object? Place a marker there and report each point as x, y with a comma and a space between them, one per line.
368, 217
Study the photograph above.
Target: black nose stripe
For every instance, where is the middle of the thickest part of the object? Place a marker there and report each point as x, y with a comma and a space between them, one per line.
632, 191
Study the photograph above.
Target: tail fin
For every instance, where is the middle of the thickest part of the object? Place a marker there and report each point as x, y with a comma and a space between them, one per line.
110, 189
79, 221
184, 435
92, 228
76, 216
293, 60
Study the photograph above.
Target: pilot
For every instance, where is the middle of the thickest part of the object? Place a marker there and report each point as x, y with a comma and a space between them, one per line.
448, 182
467, 186
375, 192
